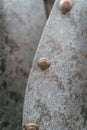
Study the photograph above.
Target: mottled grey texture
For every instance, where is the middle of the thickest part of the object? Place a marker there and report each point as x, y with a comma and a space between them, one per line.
21, 26
56, 98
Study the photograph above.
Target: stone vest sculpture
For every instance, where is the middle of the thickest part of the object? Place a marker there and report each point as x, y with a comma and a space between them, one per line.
56, 96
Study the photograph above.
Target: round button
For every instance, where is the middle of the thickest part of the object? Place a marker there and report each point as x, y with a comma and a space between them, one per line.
65, 6
31, 126
43, 63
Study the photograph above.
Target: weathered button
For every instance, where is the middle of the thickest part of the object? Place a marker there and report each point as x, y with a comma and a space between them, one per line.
65, 6
31, 126
43, 63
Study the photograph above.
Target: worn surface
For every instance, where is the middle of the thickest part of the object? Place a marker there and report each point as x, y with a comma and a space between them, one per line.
56, 98
21, 25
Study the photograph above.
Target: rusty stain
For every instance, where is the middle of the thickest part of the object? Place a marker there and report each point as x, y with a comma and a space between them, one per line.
45, 112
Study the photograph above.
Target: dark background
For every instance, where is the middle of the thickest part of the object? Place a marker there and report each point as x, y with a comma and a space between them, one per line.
11, 103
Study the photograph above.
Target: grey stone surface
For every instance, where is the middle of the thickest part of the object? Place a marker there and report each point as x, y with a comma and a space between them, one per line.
56, 98
21, 26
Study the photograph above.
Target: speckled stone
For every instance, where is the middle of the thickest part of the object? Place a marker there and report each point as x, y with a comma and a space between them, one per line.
56, 99
21, 26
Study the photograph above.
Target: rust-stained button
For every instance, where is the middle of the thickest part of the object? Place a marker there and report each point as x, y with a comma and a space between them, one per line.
43, 63
31, 126
65, 6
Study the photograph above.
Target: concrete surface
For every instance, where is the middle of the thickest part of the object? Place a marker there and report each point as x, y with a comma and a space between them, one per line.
56, 99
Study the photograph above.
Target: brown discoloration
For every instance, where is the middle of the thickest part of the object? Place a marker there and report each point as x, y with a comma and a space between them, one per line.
13, 46
59, 83
57, 48
77, 75
45, 114
83, 87
69, 81
84, 114
74, 57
